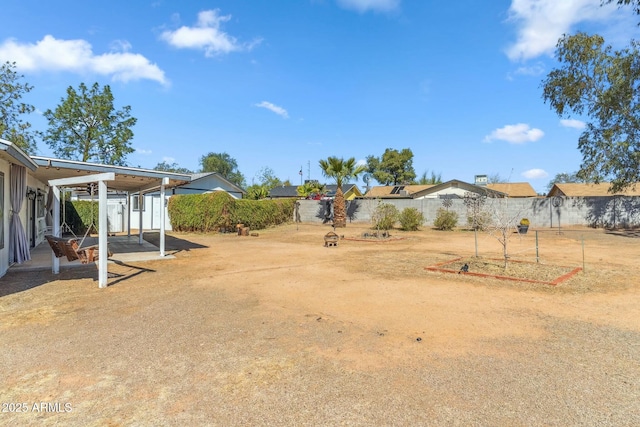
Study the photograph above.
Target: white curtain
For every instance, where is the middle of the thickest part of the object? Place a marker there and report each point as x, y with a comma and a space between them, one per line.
18, 243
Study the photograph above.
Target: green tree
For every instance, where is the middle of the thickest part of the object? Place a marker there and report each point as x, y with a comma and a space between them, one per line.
603, 85
86, 127
12, 127
394, 168
340, 170
634, 3
310, 188
564, 177
430, 180
173, 167
257, 192
266, 177
223, 164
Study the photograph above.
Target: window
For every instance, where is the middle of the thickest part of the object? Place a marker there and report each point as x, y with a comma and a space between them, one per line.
135, 203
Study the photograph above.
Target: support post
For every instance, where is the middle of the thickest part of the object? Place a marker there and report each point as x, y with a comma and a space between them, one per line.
140, 212
165, 181
128, 204
55, 262
102, 233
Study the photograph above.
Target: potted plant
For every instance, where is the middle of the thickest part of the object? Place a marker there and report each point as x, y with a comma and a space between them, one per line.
523, 227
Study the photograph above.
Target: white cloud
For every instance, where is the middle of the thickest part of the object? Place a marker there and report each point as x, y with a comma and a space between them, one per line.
272, 107
207, 35
535, 174
515, 134
542, 22
168, 159
76, 56
361, 162
143, 151
573, 123
366, 5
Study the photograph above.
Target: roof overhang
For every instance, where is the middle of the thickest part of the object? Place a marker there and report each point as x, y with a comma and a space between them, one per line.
132, 180
11, 153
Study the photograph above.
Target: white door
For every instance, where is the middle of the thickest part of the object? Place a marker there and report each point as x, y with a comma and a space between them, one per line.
114, 213
155, 213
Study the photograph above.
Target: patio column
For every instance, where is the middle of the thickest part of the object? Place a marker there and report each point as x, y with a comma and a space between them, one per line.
165, 181
140, 212
55, 262
102, 234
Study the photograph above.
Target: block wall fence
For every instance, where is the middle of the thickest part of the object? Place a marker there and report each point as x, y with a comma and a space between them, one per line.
609, 211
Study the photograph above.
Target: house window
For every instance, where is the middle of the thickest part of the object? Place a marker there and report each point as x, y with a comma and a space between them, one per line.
135, 203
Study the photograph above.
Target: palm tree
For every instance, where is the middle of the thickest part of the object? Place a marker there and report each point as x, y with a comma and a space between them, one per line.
310, 188
341, 170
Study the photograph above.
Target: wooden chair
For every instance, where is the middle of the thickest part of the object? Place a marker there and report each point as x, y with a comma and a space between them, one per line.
70, 248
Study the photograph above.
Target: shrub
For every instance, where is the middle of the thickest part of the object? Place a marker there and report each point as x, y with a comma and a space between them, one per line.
410, 219
445, 220
80, 214
385, 216
214, 211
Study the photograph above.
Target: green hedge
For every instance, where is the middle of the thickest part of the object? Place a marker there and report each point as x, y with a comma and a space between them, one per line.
214, 211
78, 215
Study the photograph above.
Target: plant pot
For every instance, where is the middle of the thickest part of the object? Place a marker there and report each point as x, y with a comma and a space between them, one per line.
522, 229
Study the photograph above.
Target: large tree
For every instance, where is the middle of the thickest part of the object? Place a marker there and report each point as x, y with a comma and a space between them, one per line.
393, 168
171, 167
602, 85
87, 127
12, 126
341, 171
634, 3
223, 164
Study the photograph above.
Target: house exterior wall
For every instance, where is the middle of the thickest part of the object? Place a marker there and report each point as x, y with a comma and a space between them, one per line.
5, 169
6, 210
609, 211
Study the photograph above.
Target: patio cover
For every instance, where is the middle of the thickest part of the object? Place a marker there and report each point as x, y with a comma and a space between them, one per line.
70, 173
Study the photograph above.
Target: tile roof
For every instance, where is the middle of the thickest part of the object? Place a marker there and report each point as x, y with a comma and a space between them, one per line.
514, 189
586, 190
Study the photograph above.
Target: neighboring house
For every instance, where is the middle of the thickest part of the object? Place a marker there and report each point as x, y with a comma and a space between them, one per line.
450, 189
395, 191
22, 201
514, 189
350, 191
588, 190
205, 182
284, 191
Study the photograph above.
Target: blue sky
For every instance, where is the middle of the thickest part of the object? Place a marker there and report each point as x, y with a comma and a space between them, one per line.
285, 83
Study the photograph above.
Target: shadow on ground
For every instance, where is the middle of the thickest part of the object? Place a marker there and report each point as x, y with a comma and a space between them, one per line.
18, 280
171, 243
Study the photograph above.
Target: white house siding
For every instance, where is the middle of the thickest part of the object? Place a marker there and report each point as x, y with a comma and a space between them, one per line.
6, 209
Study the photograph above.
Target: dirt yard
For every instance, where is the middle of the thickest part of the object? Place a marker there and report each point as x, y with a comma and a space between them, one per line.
280, 330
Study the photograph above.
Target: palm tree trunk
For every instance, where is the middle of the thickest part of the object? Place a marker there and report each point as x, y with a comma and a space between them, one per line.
339, 214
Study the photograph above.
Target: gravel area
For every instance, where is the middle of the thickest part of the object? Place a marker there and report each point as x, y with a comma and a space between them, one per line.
279, 330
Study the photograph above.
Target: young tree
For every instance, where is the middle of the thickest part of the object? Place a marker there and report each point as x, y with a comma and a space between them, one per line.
12, 127
310, 188
340, 170
603, 85
394, 168
223, 164
430, 180
87, 127
173, 167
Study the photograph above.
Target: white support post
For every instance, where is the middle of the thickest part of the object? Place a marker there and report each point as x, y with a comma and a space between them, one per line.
140, 213
165, 181
55, 261
128, 205
102, 233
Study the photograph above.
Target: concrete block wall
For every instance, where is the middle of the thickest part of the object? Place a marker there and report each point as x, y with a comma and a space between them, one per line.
607, 211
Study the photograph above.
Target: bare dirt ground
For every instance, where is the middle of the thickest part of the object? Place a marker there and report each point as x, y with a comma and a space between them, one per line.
279, 330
